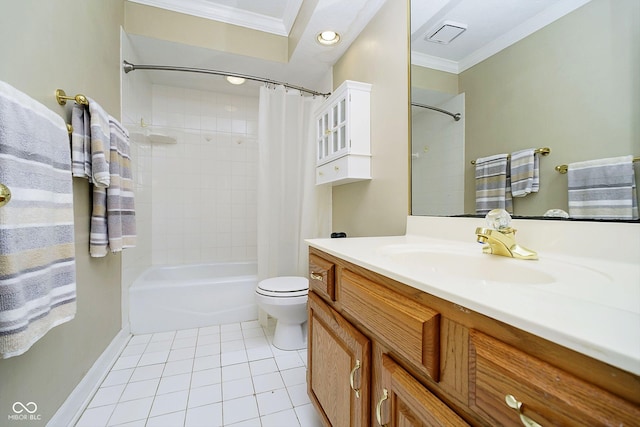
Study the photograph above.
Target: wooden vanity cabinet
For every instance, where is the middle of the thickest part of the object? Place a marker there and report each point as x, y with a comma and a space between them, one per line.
425, 361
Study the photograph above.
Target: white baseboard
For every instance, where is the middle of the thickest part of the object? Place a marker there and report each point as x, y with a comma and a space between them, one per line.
72, 408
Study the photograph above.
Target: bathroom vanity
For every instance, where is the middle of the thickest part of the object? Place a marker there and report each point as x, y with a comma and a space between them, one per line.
424, 329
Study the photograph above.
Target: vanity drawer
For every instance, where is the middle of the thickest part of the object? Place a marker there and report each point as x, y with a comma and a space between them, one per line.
549, 396
322, 276
408, 328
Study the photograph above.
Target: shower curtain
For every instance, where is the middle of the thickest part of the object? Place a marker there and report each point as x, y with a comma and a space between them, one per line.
291, 207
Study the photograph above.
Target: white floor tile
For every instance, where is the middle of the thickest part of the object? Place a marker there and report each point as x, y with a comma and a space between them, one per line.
241, 409
133, 349
207, 350
263, 366
206, 377
163, 336
178, 367
233, 357
168, 420
273, 401
267, 382
117, 377
154, 358
125, 362
107, 396
140, 389
298, 394
170, 402
174, 383
147, 372
140, 339
95, 417
208, 339
294, 376
202, 377
236, 372
308, 416
289, 361
204, 416
186, 342
206, 395
154, 347
181, 354
206, 362
284, 418
133, 410
237, 388
185, 333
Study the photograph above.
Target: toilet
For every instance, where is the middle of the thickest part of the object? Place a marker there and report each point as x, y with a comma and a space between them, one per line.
285, 299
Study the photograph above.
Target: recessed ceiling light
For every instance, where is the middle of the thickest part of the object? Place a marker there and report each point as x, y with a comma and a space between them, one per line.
328, 37
235, 80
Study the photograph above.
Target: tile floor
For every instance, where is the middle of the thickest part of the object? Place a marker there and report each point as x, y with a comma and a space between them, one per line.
227, 375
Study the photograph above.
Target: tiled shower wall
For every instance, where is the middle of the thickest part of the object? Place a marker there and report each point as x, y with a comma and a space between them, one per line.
203, 186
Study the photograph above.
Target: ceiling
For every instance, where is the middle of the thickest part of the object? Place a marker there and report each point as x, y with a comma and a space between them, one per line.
491, 25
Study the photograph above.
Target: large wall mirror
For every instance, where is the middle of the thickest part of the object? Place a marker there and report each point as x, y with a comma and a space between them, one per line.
562, 74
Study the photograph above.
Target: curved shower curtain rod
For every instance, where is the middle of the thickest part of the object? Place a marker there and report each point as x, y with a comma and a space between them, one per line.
128, 66
456, 116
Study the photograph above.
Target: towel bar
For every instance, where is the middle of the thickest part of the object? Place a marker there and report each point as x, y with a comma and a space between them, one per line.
62, 98
544, 151
565, 168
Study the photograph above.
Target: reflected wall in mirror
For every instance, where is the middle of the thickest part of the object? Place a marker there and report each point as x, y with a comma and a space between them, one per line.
573, 85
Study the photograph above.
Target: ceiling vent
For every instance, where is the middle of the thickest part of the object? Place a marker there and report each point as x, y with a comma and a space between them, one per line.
445, 32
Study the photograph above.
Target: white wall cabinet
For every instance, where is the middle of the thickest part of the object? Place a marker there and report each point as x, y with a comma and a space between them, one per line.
343, 135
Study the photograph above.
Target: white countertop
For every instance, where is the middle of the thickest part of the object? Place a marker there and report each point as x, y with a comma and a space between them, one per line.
588, 304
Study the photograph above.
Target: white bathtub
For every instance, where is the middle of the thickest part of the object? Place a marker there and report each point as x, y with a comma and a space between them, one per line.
168, 298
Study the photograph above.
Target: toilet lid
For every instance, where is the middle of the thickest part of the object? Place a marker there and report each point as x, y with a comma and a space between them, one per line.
286, 286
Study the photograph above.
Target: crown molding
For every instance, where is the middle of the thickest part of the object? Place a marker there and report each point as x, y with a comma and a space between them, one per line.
230, 15
435, 62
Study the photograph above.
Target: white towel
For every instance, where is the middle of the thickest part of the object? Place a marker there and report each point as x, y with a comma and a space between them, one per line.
525, 172
493, 184
37, 257
603, 189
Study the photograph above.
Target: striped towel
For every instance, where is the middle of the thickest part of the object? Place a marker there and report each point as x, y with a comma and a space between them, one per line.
37, 256
493, 184
80, 142
525, 172
603, 189
113, 219
99, 145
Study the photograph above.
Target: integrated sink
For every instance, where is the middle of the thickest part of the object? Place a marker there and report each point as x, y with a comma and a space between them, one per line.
444, 262
468, 263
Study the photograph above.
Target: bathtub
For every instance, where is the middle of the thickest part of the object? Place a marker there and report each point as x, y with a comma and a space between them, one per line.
169, 298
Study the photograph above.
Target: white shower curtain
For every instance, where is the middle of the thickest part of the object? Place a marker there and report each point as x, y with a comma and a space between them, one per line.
291, 207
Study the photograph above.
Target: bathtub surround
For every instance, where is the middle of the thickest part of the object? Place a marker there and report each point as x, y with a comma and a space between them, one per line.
291, 207
37, 268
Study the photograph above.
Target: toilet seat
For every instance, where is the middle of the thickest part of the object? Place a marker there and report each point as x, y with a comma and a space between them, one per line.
284, 287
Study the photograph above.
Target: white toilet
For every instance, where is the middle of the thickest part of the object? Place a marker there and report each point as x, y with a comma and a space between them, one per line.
285, 299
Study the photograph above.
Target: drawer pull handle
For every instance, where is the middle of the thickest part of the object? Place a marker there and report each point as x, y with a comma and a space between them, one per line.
385, 396
336, 168
513, 403
353, 372
316, 276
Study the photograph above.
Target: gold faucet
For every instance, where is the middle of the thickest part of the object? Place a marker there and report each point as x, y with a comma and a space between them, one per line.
503, 242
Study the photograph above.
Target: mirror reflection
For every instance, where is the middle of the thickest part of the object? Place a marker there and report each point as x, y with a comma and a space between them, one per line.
562, 74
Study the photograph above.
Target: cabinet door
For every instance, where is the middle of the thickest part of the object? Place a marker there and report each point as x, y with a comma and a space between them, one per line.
407, 403
339, 367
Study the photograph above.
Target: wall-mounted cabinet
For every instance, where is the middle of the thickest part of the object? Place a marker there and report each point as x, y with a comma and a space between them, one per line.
343, 135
